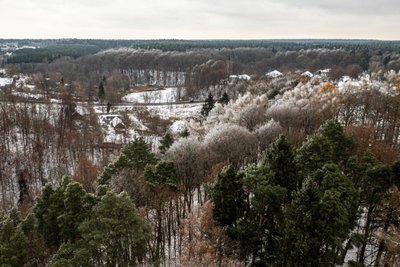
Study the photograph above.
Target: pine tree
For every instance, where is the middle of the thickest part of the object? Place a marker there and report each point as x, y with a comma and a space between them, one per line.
224, 99
47, 210
280, 159
162, 174
184, 133
72, 254
77, 207
260, 230
115, 235
228, 197
314, 154
396, 173
101, 93
13, 242
342, 145
208, 105
320, 219
134, 157
165, 142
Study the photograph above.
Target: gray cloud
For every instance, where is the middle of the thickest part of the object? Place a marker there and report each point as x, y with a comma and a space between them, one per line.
373, 7
200, 19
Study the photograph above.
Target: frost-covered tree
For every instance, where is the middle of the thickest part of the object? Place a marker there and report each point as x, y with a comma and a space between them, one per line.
247, 110
251, 116
189, 157
232, 144
267, 133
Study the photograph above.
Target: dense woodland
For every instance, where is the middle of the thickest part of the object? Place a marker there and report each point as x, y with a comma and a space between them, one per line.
197, 65
284, 171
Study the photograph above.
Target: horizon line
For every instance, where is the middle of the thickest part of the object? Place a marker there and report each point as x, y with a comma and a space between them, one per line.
210, 39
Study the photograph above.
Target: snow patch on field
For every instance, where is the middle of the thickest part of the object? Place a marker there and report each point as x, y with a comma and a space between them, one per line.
167, 95
178, 126
5, 81
185, 111
28, 95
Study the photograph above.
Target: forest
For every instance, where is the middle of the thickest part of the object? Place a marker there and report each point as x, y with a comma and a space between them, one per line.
296, 167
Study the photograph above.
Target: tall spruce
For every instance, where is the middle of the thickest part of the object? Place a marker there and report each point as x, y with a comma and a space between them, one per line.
115, 234
166, 142
320, 220
208, 105
228, 197
134, 157
101, 93
280, 159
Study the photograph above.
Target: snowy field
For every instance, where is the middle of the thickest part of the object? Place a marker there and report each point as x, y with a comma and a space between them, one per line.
167, 95
182, 111
5, 81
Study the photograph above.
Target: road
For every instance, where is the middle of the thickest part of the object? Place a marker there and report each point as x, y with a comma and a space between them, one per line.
96, 104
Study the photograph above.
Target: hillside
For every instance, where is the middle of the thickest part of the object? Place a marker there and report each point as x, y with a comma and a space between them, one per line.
201, 153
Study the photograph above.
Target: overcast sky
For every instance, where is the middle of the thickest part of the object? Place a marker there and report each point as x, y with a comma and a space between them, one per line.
200, 19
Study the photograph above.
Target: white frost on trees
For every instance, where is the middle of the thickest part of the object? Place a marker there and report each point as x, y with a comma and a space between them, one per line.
248, 110
232, 144
267, 133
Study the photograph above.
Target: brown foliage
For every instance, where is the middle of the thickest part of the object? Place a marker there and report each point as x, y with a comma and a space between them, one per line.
204, 243
389, 235
367, 140
86, 173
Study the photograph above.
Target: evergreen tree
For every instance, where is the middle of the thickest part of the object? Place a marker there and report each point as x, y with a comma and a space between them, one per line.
314, 154
115, 235
342, 145
134, 157
72, 254
228, 197
47, 210
184, 133
208, 105
260, 230
329, 144
101, 93
375, 182
162, 174
165, 143
224, 99
77, 207
13, 242
396, 173
280, 159
320, 219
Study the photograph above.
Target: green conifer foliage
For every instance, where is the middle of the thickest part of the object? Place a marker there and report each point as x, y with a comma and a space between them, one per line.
228, 197
115, 234
280, 159
134, 156
165, 142
208, 105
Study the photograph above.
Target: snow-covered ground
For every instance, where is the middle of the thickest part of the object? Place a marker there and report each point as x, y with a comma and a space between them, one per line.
184, 111
167, 95
179, 113
5, 81
29, 95
21, 81
178, 126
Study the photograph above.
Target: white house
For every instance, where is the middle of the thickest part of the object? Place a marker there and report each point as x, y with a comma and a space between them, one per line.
274, 74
